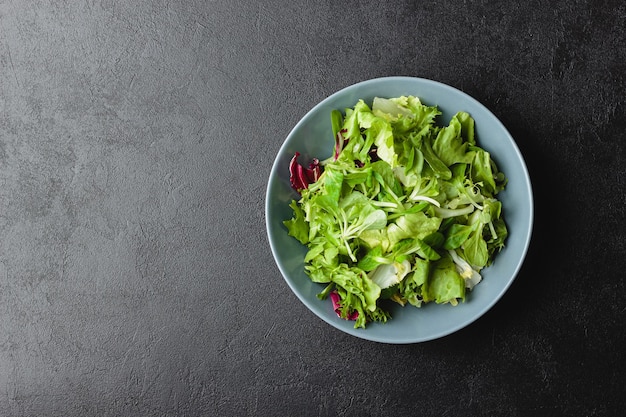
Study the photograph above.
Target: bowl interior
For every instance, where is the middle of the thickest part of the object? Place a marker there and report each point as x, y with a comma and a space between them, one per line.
312, 137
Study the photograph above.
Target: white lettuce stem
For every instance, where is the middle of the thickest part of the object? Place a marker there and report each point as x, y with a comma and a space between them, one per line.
445, 213
492, 229
427, 199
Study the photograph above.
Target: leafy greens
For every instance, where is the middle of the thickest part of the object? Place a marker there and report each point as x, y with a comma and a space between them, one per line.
404, 210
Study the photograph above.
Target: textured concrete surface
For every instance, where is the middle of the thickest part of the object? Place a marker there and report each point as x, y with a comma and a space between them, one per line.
135, 142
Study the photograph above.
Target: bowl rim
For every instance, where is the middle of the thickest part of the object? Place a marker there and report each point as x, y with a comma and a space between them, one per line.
362, 333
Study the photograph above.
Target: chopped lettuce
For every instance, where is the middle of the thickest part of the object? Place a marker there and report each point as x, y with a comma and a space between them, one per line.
404, 210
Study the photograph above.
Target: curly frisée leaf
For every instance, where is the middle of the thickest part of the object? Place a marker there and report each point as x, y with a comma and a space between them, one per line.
405, 210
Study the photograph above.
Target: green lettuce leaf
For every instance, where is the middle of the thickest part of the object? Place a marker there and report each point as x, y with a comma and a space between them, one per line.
450, 146
445, 285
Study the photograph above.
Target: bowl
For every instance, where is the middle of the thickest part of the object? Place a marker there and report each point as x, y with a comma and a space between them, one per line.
312, 137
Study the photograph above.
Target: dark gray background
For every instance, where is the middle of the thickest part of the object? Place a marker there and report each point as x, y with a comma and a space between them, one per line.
135, 144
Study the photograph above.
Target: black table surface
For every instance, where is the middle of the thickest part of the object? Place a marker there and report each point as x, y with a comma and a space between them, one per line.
136, 139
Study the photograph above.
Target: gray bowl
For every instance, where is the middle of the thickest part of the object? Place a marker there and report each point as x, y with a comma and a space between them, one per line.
313, 137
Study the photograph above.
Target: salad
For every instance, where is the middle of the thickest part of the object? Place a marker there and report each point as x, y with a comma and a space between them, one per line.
404, 211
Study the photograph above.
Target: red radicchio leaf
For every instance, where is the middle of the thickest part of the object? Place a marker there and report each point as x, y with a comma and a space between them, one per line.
373, 153
301, 177
296, 174
340, 142
314, 171
336, 300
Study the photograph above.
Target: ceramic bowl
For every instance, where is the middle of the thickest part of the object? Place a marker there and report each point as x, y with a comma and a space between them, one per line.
312, 137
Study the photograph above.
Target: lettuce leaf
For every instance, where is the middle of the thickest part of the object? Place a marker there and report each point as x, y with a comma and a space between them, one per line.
445, 285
